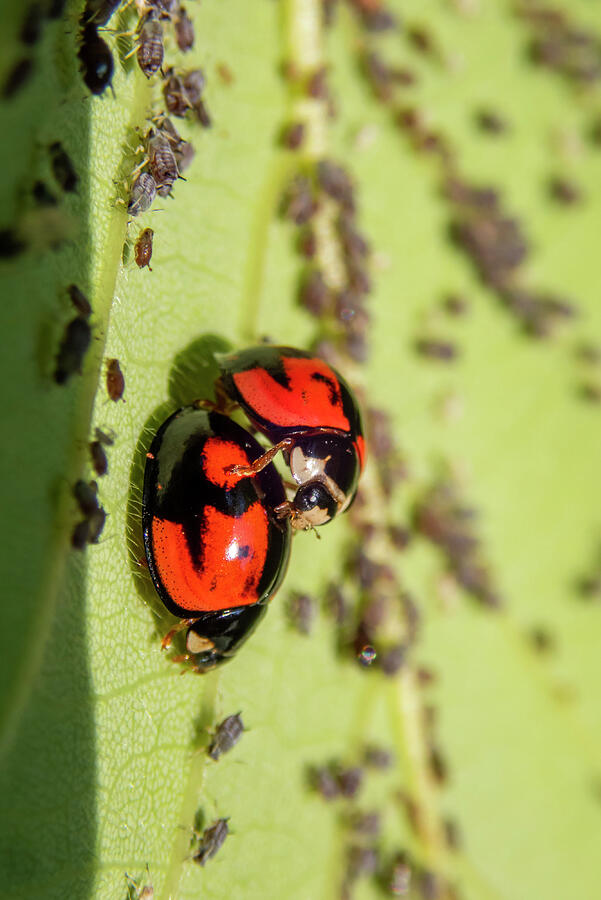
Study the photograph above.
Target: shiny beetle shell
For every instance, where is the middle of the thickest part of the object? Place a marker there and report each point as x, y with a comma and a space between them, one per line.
215, 550
291, 395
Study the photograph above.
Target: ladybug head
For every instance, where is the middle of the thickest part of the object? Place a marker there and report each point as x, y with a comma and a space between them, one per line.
326, 467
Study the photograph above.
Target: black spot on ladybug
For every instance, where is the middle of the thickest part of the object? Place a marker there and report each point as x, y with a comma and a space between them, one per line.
244, 551
331, 386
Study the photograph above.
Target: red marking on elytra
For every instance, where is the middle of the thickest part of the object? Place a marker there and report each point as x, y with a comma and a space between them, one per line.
233, 556
217, 456
295, 406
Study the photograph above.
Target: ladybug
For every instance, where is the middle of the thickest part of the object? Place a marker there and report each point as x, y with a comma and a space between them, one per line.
216, 550
307, 411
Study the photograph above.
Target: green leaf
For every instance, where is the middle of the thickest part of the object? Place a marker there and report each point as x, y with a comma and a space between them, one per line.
104, 767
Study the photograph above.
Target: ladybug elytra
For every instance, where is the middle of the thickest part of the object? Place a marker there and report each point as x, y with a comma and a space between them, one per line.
216, 550
308, 412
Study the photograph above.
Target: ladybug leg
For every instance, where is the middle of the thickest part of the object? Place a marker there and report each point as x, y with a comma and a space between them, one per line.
259, 464
183, 623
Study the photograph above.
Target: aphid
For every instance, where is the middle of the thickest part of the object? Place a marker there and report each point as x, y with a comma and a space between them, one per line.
79, 301
456, 305
565, 192
444, 351
349, 781
143, 249
323, 780
225, 73
150, 46
362, 861
62, 167
184, 30
10, 243
143, 192
377, 757
194, 84
438, 764
42, 195
177, 100
96, 60
453, 834
541, 639
227, 735
212, 839
589, 353
72, 349
368, 824
31, 29
184, 155
17, 78
334, 180
162, 163
490, 121
88, 531
307, 243
100, 462
115, 382
298, 203
300, 610
399, 536
314, 294
293, 135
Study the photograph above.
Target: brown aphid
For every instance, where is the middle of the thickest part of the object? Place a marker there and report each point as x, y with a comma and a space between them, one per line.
314, 294
444, 351
362, 861
72, 349
541, 639
17, 77
150, 45
184, 30
491, 122
211, 841
80, 301
349, 781
335, 181
564, 192
393, 659
456, 305
293, 135
88, 531
143, 192
100, 462
162, 163
591, 392
300, 611
438, 765
194, 85
368, 824
115, 382
324, 781
453, 834
374, 16
177, 100
227, 735
225, 73
143, 249
298, 203
307, 243
184, 155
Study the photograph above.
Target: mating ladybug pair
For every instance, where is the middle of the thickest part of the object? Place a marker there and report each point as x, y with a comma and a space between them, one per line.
217, 524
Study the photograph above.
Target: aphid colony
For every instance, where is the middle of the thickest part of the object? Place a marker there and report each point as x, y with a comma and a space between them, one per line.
217, 522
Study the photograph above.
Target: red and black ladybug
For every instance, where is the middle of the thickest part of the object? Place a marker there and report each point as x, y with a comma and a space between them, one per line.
216, 550
309, 413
